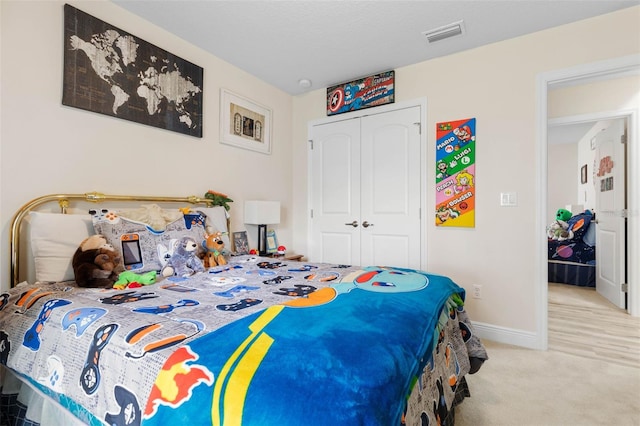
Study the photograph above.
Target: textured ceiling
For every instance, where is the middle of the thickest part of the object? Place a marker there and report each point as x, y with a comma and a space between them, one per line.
331, 42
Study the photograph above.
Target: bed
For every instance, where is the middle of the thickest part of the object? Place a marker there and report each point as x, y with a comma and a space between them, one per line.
258, 341
573, 261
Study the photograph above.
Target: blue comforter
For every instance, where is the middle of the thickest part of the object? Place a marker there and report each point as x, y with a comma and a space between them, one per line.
255, 342
343, 355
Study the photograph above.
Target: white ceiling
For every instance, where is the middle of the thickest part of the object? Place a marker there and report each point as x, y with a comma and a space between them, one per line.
330, 42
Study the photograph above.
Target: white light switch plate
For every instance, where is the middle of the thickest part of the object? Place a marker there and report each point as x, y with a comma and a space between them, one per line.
508, 199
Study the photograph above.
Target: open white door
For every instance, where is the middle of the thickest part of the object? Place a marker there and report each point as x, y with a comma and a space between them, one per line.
610, 188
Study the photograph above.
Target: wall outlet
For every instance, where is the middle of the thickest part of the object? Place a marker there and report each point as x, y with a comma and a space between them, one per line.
477, 291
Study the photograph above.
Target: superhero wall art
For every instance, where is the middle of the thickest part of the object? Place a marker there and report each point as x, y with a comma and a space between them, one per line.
456, 173
366, 92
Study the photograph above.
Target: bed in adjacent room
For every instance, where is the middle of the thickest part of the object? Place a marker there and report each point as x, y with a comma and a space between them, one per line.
573, 260
255, 340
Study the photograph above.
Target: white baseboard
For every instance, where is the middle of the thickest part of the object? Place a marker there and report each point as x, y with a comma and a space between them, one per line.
509, 336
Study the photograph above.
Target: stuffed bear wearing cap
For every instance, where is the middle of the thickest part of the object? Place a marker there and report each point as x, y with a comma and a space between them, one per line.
96, 263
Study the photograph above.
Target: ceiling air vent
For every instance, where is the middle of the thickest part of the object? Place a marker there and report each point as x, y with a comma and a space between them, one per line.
446, 31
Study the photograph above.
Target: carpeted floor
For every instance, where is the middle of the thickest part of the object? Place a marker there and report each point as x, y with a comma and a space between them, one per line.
590, 376
524, 387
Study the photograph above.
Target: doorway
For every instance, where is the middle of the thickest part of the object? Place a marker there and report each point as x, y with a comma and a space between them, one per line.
602, 70
577, 147
584, 320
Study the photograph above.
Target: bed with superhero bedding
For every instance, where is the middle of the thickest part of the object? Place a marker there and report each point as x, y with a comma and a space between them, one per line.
572, 249
246, 340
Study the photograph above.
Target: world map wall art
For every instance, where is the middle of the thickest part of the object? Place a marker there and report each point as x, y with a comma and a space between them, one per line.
111, 72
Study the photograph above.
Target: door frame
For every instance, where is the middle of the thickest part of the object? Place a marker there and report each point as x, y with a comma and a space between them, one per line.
599, 70
419, 102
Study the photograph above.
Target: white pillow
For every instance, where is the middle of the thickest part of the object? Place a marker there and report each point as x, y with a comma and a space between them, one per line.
54, 238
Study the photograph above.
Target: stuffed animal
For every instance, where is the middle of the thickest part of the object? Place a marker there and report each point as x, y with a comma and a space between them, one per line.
213, 245
128, 279
184, 260
563, 215
559, 231
96, 263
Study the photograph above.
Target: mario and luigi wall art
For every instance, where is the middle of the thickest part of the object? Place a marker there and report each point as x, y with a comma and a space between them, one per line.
455, 173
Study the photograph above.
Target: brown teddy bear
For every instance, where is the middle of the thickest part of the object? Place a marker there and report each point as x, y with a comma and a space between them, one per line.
96, 263
213, 244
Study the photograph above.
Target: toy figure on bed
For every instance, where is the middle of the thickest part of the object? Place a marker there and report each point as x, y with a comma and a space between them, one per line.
559, 230
184, 260
213, 244
96, 263
129, 279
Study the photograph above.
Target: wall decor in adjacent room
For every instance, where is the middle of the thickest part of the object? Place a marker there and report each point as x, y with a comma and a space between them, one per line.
244, 123
111, 72
456, 173
362, 93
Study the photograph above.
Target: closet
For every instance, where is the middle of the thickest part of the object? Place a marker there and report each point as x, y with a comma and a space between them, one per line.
366, 189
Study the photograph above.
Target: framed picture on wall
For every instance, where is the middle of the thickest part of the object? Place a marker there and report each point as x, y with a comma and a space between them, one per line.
583, 174
244, 123
240, 242
111, 72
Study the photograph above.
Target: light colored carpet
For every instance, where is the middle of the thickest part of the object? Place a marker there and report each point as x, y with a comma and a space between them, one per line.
525, 387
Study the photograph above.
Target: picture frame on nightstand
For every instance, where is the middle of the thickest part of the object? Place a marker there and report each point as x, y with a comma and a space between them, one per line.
240, 242
272, 242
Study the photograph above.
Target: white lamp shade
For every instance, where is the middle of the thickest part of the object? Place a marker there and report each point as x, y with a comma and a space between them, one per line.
261, 212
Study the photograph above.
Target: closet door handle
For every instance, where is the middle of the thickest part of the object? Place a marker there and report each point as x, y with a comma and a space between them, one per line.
354, 224
366, 224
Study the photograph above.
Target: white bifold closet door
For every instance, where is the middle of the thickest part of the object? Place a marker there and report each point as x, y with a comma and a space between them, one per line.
366, 189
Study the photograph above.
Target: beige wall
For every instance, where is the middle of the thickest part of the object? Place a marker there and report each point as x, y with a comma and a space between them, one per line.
50, 148
497, 85
47, 148
618, 95
615, 94
564, 177
578, 102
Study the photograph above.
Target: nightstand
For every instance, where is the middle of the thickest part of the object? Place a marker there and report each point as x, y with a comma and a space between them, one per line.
292, 257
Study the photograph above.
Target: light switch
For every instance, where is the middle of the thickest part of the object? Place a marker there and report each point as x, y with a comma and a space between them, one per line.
508, 199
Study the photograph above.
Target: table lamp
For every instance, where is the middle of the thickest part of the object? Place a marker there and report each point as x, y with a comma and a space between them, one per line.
262, 213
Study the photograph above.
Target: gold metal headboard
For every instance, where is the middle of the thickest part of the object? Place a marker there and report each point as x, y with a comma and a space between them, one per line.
63, 202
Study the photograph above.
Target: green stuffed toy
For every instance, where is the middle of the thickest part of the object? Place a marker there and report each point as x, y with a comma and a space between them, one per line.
128, 279
559, 230
563, 215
